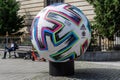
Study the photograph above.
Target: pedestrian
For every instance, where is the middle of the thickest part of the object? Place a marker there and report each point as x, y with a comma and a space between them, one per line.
9, 49
5, 51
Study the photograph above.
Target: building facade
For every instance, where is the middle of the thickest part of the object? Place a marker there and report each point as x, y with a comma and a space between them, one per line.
30, 8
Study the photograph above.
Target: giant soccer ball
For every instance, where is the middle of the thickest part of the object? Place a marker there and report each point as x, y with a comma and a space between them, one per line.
60, 32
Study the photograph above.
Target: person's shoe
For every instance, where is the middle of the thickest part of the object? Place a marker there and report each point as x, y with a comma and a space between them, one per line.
3, 58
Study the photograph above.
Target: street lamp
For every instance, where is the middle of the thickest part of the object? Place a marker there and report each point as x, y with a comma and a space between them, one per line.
7, 38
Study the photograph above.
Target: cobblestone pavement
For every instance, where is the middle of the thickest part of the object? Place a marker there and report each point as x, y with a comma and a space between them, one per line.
19, 69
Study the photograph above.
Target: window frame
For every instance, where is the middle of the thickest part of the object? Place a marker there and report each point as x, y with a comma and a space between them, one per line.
49, 2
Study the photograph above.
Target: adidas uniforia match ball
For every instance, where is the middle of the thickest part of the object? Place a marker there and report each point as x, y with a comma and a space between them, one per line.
60, 32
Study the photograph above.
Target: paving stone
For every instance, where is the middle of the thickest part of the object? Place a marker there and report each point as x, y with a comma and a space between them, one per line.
20, 69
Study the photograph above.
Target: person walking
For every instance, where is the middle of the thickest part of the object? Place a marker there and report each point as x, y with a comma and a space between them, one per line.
5, 51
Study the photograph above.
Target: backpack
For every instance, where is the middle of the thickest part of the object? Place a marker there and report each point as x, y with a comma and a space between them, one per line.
16, 46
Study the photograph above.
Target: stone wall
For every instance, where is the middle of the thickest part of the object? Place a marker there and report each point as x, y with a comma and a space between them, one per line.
83, 5
100, 56
30, 8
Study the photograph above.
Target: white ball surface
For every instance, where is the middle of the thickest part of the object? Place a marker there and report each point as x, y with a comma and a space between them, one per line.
60, 32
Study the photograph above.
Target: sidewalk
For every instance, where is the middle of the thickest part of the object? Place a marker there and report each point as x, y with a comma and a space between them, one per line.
19, 69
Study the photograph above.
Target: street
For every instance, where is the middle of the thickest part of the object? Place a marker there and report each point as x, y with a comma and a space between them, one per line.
20, 69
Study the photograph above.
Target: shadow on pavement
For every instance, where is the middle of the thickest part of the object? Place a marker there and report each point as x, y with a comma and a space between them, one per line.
96, 74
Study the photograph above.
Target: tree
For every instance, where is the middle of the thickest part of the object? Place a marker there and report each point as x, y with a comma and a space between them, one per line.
107, 20
10, 21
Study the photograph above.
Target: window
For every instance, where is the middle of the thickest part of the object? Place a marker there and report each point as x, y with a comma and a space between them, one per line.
49, 2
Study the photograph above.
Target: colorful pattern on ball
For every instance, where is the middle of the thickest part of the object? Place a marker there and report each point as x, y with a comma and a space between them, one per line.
60, 32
